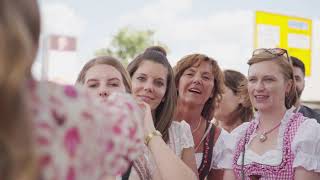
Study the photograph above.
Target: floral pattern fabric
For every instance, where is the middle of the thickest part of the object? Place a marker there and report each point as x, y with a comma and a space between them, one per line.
79, 138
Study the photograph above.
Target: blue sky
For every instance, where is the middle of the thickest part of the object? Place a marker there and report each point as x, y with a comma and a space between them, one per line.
220, 29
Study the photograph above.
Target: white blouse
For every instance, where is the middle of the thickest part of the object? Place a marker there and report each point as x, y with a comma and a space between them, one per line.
222, 152
305, 145
180, 138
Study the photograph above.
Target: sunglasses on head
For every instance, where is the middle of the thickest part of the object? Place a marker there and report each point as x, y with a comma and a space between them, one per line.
274, 51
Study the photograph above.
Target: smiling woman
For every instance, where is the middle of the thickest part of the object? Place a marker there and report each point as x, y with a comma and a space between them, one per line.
278, 143
200, 82
153, 83
149, 85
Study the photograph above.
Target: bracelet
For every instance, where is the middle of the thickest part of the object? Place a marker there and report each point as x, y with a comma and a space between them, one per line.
151, 135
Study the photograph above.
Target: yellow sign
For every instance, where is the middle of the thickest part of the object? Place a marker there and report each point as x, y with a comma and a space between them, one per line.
291, 33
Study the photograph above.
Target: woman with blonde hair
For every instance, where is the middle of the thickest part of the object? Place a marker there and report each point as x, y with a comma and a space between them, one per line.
278, 143
50, 131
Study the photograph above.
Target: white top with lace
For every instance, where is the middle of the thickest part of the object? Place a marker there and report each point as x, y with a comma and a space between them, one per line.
305, 145
180, 137
222, 152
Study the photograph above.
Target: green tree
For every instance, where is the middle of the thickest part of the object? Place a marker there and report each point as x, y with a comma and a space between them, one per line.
128, 43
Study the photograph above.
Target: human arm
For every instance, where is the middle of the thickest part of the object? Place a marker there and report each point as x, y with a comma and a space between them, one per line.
169, 165
229, 175
215, 174
188, 157
306, 148
302, 174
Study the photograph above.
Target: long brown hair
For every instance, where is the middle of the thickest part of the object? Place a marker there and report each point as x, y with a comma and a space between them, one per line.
195, 59
108, 60
19, 34
165, 110
238, 84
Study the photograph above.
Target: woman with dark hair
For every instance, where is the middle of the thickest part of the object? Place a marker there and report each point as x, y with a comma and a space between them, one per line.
48, 131
199, 82
234, 108
278, 143
153, 83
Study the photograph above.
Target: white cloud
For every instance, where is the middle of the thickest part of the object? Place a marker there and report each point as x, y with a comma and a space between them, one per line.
227, 36
59, 18
62, 19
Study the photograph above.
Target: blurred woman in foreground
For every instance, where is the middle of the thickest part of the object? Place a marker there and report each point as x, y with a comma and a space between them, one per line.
50, 131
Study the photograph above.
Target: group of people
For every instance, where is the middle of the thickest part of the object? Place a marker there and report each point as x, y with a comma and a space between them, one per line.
150, 120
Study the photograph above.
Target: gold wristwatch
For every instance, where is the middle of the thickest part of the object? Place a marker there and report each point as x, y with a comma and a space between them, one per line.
151, 135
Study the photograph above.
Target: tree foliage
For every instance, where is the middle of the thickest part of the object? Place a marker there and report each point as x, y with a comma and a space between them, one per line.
127, 43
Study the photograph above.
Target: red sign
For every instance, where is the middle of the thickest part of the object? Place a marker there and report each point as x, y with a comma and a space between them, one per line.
62, 43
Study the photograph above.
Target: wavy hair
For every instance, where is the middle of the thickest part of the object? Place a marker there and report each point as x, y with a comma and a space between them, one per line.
196, 59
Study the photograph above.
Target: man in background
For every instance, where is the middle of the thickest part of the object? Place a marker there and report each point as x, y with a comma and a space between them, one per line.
299, 75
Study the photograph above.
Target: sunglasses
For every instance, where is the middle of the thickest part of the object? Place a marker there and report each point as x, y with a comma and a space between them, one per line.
274, 51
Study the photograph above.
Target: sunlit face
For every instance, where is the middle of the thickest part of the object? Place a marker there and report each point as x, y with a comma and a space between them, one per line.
149, 83
267, 86
228, 104
101, 80
196, 84
299, 77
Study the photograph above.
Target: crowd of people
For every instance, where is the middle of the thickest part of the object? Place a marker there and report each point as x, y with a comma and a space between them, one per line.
150, 120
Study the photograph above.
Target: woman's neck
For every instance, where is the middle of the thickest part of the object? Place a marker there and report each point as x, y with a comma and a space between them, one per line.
190, 114
229, 125
269, 119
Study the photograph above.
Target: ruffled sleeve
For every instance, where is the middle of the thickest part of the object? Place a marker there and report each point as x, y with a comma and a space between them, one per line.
239, 132
223, 151
306, 146
180, 137
186, 135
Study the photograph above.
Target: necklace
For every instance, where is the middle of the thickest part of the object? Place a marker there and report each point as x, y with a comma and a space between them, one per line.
198, 126
263, 137
203, 137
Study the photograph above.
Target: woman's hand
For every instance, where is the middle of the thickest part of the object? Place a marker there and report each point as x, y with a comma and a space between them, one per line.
148, 119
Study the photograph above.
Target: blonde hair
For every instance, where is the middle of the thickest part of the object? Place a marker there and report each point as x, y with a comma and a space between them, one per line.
108, 60
286, 69
196, 59
19, 34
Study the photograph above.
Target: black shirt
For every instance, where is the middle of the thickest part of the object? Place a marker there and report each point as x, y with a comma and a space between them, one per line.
310, 113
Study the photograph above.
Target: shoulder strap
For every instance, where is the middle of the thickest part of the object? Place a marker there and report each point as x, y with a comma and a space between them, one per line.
126, 175
208, 145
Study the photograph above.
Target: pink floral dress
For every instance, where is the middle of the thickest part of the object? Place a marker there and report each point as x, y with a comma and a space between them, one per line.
77, 138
